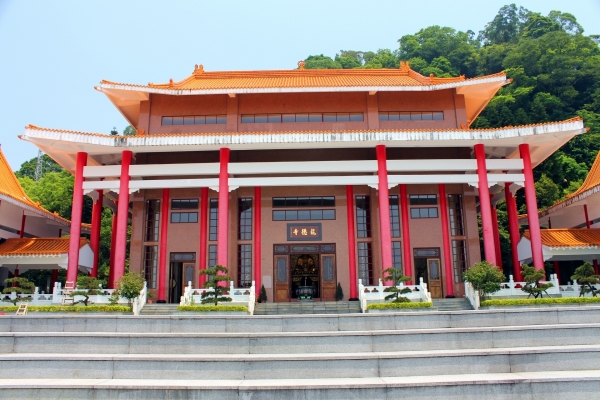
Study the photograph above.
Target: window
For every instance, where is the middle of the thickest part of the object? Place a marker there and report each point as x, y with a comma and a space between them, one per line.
245, 219
150, 265
183, 256
457, 227
184, 217
423, 199
365, 263
328, 201
459, 258
212, 255
302, 117
184, 204
424, 212
394, 216
411, 115
152, 222
195, 120
245, 265
303, 215
397, 255
363, 216
213, 228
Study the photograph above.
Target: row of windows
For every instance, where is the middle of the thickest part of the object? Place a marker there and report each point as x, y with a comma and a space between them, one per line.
195, 120
303, 215
184, 204
301, 117
411, 116
327, 201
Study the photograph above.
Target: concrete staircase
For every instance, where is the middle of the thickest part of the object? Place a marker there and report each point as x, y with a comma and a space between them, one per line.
525, 354
308, 307
159, 309
458, 304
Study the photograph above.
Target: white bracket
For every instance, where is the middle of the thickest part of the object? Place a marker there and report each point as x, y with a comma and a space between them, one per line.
374, 186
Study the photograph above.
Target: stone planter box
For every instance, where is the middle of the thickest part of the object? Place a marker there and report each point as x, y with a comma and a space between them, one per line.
211, 313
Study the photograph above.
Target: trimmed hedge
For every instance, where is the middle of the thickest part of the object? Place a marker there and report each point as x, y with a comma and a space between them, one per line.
552, 300
384, 306
212, 308
71, 309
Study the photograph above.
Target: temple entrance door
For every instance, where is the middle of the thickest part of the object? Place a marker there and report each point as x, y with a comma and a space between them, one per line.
175, 282
435, 279
305, 275
282, 284
329, 279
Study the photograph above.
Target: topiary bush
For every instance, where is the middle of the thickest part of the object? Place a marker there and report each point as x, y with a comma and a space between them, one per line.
87, 286
485, 278
70, 309
395, 276
24, 286
586, 277
409, 304
212, 308
216, 295
550, 300
533, 286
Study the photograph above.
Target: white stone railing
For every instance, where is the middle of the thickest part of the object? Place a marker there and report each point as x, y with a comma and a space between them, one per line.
572, 290
377, 294
512, 288
47, 299
472, 295
242, 296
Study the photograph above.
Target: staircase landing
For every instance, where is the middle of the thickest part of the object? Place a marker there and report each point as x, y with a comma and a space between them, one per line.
308, 307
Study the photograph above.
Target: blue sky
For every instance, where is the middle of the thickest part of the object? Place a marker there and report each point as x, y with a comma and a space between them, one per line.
52, 53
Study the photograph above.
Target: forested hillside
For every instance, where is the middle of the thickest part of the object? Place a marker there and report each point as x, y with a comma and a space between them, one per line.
555, 69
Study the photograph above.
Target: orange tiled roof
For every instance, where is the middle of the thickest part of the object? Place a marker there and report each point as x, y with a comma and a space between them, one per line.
570, 237
237, 133
28, 247
10, 187
303, 78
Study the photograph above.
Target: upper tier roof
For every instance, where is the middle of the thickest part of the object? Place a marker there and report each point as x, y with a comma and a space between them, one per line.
11, 191
477, 91
37, 247
573, 237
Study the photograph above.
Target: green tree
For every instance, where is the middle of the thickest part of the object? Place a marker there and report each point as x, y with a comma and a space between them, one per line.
23, 286
395, 276
321, 62
129, 131
506, 26
86, 286
262, 298
130, 286
217, 276
28, 167
547, 192
533, 286
485, 278
587, 278
339, 292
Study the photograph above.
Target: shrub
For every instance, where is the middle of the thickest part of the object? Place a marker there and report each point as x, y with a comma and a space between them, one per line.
262, 297
216, 295
396, 276
23, 287
339, 293
485, 278
212, 308
550, 300
130, 285
410, 304
91, 287
533, 285
70, 309
585, 276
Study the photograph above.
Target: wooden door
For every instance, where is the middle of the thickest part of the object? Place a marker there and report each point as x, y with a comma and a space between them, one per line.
328, 277
282, 275
435, 277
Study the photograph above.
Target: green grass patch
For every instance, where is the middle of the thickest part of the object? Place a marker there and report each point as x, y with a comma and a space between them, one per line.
212, 308
70, 309
386, 306
528, 302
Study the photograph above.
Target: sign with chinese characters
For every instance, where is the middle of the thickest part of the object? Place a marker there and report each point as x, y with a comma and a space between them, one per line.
304, 232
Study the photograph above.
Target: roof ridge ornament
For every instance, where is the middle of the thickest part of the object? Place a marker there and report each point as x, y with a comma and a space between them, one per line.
198, 70
301, 65
404, 66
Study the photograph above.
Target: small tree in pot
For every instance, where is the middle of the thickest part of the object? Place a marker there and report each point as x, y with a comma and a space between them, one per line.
485, 278
215, 282
396, 276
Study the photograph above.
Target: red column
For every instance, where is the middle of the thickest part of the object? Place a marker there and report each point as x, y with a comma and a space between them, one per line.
162, 252
446, 241
496, 235
351, 243
385, 235
95, 234
113, 241
406, 250
15, 275
485, 206
513, 228
556, 263
532, 210
76, 212
203, 234
257, 239
53, 279
22, 231
589, 226
122, 216
223, 233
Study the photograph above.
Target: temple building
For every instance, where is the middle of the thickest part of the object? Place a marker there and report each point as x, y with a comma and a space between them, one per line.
31, 236
305, 178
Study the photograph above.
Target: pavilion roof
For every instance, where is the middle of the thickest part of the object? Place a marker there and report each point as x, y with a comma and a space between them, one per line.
11, 191
568, 237
36, 247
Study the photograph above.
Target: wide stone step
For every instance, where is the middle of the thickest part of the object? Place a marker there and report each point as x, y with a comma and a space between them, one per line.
316, 307
522, 385
299, 342
299, 323
305, 366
